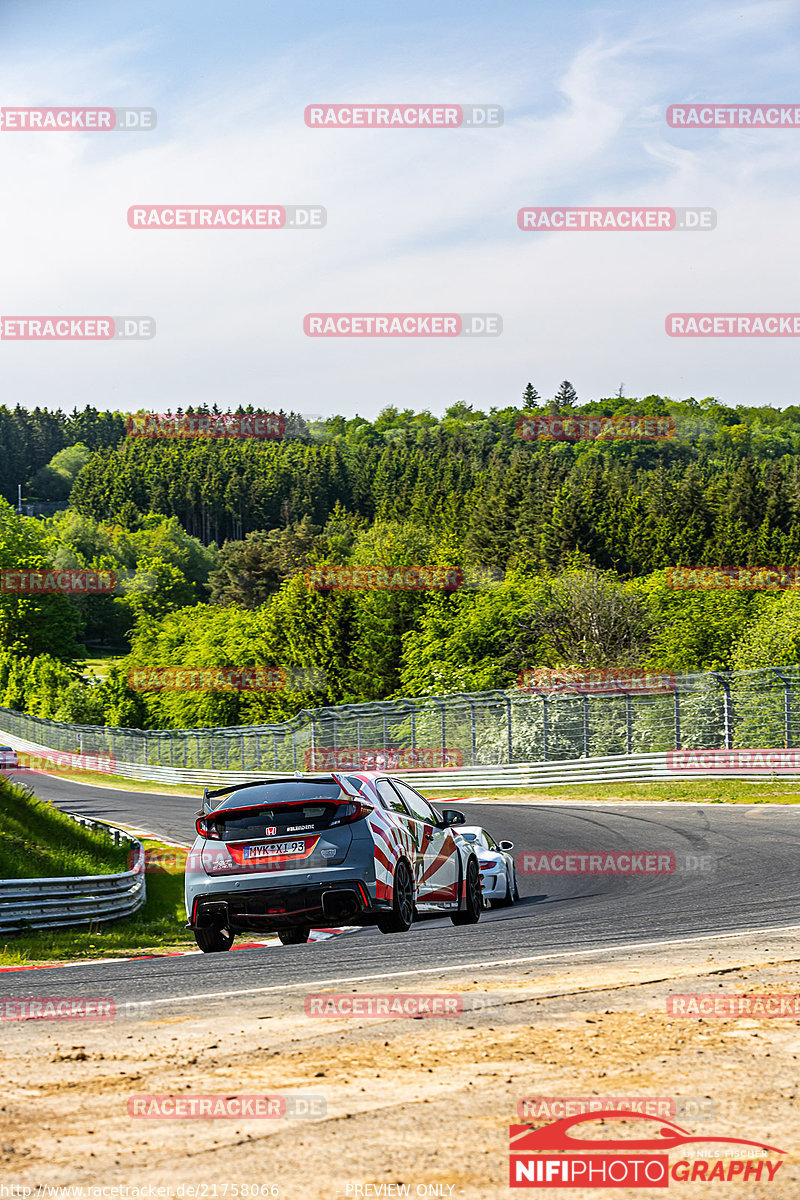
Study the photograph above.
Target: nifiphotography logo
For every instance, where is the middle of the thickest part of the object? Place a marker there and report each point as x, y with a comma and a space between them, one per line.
556, 1156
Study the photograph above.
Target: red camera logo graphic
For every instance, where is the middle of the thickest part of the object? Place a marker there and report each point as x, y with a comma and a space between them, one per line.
554, 1156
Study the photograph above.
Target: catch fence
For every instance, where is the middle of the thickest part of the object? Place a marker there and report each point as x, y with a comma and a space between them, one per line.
713, 710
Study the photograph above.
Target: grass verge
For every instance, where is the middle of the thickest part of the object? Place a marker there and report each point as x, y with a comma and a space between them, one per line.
156, 928
37, 841
692, 791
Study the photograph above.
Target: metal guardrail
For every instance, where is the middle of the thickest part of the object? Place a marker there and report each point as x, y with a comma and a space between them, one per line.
74, 900
635, 768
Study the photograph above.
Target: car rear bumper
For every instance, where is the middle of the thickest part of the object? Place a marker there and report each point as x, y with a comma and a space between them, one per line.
334, 902
493, 884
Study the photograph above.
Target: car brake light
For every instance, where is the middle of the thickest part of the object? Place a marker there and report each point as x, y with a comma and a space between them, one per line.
486, 864
352, 811
207, 829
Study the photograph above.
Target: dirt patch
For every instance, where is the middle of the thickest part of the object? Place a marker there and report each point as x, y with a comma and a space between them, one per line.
423, 1103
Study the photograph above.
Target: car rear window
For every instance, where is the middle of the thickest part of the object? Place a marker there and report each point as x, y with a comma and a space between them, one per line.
285, 806
283, 791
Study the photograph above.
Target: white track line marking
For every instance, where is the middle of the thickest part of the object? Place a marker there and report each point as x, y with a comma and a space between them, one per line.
471, 966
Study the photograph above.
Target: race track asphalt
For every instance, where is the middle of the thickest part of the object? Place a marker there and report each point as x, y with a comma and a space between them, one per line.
737, 870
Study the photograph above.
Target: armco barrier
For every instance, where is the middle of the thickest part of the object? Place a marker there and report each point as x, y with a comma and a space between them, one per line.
634, 768
73, 900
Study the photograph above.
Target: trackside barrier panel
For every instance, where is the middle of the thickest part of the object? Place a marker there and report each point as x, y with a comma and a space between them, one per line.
74, 900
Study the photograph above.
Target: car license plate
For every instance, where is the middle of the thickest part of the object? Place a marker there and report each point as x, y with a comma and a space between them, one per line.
274, 850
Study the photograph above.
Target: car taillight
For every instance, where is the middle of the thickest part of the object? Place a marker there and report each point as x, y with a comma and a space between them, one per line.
207, 828
486, 864
354, 811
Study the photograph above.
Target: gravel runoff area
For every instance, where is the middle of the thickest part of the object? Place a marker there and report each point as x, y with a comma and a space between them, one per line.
392, 1106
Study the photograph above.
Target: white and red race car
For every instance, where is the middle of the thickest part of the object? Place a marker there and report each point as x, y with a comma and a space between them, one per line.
313, 851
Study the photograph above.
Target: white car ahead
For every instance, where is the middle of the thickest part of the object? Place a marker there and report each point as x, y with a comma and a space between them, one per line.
498, 873
8, 759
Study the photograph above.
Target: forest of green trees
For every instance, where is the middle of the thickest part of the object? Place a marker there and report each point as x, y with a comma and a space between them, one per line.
563, 546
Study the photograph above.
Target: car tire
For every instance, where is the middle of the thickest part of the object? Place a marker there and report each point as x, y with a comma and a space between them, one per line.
297, 936
213, 940
516, 889
400, 918
474, 899
508, 898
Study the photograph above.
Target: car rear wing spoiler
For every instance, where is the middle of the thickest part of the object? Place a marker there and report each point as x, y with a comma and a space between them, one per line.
209, 796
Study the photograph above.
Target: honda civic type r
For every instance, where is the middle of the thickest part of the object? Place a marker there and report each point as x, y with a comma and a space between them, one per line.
318, 851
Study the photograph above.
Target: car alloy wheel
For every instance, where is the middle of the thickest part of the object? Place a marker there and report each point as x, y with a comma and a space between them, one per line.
471, 914
402, 914
297, 936
213, 940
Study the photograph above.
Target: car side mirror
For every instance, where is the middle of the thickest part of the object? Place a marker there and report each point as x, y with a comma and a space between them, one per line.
452, 816
506, 845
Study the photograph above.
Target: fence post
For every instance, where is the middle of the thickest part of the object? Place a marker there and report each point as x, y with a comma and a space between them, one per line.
728, 714
508, 729
586, 739
787, 706
677, 701
628, 724
275, 748
413, 728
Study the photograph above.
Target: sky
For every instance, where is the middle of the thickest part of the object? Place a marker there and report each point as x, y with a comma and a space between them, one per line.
418, 220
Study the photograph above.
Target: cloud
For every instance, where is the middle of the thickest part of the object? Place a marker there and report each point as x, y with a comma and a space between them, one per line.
417, 220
